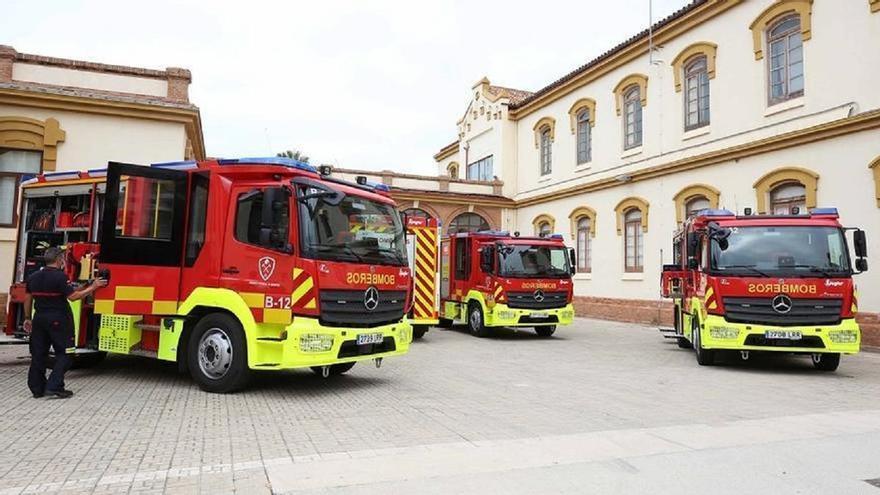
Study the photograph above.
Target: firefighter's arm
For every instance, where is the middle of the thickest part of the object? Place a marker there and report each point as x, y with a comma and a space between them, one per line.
28, 309
81, 293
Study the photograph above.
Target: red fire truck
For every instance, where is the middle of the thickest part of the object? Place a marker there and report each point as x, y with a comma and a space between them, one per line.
421, 243
226, 266
494, 279
775, 283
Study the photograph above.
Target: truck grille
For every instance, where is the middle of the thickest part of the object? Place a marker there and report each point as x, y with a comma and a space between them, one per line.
346, 308
759, 310
527, 300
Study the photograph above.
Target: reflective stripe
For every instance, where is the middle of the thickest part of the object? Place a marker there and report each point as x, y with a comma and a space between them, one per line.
132, 293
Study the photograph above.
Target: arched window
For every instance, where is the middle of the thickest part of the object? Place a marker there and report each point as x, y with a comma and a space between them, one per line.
546, 152
416, 212
632, 117
696, 204
583, 136
452, 170
468, 222
696, 93
633, 240
786, 60
584, 246
786, 196
543, 229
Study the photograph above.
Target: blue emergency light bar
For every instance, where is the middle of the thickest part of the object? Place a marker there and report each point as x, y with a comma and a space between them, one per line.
824, 211
270, 160
556, 236
182, 165
710, 212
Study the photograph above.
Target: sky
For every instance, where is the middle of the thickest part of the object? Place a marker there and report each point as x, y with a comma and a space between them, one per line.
375, 85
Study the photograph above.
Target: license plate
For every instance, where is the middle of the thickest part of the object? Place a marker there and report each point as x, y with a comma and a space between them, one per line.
783, 334
538, 314
369, 338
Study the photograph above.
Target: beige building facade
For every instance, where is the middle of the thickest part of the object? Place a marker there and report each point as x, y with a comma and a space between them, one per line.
762, 104
61, 115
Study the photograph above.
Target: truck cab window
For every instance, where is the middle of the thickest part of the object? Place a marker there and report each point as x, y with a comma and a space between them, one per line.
198, 213
146, 208
250, 223
462, 259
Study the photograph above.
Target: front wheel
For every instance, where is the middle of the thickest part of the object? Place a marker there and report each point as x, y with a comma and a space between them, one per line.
217, 354
705, 357
335, 369
826, 362
545, 331
476, 324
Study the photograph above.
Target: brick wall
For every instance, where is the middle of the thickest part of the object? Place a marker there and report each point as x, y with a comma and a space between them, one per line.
659, 313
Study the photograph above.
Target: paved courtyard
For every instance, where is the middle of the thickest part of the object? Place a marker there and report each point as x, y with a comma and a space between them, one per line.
603, 407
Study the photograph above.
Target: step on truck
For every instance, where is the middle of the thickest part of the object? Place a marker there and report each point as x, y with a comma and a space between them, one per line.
765, 283
225, 266
494, 279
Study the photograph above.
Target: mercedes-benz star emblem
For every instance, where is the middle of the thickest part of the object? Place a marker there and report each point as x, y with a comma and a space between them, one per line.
539, 295
371, 298
781, 304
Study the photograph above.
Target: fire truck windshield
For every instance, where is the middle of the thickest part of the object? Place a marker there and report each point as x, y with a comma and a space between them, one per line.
524, 261
782, 251
353, 229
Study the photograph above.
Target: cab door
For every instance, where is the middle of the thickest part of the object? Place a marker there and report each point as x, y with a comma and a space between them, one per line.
257, 260
141, 239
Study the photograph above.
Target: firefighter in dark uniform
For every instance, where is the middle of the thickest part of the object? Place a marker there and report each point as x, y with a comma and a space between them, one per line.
48, 293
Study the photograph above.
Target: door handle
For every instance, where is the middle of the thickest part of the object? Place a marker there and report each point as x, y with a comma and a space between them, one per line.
230, 270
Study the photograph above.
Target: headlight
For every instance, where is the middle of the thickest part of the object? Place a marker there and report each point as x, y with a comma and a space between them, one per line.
723, 333
843, 336
506, 315
315, 342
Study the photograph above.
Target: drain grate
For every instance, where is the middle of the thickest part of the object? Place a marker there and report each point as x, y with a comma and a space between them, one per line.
874, 482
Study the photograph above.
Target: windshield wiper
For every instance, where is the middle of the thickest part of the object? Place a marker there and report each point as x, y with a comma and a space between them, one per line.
747, 267
813, 268
345, 247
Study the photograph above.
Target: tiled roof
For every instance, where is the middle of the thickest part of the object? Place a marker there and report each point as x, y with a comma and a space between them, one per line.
96, 94
515, 95
601, 58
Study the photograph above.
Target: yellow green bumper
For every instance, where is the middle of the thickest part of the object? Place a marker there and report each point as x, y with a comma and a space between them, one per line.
718, 333
308, 343
503, 316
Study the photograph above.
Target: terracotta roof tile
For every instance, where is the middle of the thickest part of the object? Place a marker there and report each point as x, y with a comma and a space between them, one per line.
515, 95
96, 94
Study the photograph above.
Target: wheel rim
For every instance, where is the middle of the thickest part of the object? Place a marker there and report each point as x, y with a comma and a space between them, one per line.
475, 319
215, 353
695, 330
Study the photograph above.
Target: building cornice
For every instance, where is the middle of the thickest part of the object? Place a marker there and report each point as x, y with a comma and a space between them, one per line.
857, 123
447, 151
189, 117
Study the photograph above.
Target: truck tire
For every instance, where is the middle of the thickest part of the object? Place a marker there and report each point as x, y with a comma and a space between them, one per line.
545, 331
419, 331
476, 324
705, 357
826, 362
683, 343
217, 354
335, 369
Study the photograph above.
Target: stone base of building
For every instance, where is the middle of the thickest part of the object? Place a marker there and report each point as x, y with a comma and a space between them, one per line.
659, 313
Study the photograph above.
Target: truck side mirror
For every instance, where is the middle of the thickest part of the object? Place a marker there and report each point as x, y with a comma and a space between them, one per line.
860, 244
487, 255
572, 259
861, 264
270, 214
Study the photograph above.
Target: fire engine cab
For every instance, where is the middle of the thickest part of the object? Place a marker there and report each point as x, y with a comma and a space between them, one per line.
494, 279
226, 266
774, 283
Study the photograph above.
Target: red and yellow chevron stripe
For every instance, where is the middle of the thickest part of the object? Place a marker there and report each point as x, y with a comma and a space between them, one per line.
424, 273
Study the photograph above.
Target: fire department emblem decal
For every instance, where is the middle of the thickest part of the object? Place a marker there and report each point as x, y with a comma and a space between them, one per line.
267, 267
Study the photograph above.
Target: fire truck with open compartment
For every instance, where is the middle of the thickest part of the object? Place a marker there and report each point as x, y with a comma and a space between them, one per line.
225, 266
765, 283
494, 279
